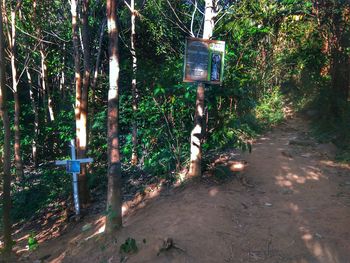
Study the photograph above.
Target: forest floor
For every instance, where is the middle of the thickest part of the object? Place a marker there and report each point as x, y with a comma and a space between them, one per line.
294, 208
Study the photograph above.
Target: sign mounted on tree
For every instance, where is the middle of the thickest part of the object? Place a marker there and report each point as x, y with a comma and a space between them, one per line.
204, 61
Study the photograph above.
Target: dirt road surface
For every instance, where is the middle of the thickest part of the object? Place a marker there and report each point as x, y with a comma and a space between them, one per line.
298, 211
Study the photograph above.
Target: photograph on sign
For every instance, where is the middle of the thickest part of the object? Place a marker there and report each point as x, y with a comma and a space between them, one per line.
204, 60
73, 167
215, 67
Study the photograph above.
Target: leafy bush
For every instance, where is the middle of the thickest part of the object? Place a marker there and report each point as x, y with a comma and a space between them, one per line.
129, 246
270, 108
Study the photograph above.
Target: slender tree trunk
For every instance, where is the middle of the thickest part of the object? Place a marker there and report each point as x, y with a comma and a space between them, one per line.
97, 65
63, 75
98, 59
12, 40
114, 198
6, 173
133, 84
78, 89
82, 147
36, 119
44, 83
197, 132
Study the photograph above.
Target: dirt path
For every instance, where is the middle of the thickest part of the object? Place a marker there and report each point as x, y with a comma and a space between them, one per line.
298, 211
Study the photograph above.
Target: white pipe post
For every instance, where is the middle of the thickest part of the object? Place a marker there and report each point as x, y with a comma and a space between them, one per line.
75, 180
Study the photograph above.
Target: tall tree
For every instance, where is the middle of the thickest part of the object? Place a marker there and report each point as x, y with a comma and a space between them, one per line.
34, 104
47, 93
114, 198
97, 65
81, 92
134, 92
83, 119
197, 132
6, 174
11, 35
77, 75
36, 118
133, 82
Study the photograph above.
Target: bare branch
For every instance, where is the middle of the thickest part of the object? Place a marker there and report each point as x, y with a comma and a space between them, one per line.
195, 3
39, 39
24, 68
10, 88
200, 27
193, 14
18, 5
127, 4
184, 29
56, 36
177, 17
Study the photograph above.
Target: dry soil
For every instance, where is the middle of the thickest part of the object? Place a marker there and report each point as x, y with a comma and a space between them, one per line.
298, 211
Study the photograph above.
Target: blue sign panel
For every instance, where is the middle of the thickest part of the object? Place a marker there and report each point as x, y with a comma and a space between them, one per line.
73, 167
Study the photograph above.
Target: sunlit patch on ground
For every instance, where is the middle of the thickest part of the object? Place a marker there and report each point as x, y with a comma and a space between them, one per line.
333, 164
100, 226
294, 207
213, 191
319, 249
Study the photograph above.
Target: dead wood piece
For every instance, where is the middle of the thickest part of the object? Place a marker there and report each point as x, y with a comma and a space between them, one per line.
298, 142
43, 258
244, 182
168, 243
244, 205
286, 154
221, 160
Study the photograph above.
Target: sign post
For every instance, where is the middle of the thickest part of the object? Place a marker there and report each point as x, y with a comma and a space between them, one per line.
73, 167
204, 61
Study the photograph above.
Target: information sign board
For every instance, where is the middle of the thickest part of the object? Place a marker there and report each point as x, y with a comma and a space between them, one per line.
73, 166
204, 60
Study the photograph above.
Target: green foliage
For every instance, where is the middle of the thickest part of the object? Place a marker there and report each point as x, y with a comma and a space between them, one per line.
330, 128
129, 246
270, 108
45, 188
32, 242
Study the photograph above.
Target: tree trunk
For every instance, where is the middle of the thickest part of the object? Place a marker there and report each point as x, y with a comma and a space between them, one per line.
18, 157
44, 83
97, 65
63, 75
114, 198
82, 147
78, 89
197, 132
36, 120
133, 84
6, 176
